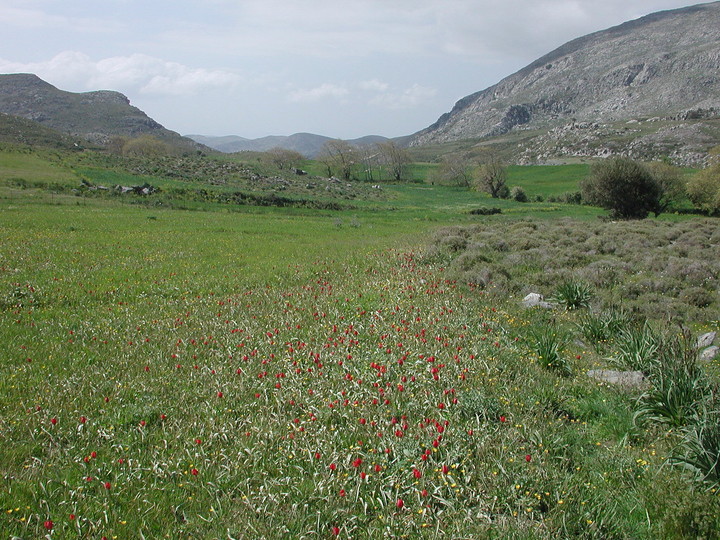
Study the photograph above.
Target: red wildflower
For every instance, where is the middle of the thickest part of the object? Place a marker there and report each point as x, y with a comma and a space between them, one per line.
48, 525
400, 503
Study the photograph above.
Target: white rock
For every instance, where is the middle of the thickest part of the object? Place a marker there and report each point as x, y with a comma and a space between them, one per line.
706, 340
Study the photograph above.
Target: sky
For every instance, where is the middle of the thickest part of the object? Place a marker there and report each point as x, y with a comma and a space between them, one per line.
339, 68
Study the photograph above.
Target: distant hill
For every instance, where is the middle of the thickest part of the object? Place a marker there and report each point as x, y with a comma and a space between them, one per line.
93, 116
664, 66
307, 144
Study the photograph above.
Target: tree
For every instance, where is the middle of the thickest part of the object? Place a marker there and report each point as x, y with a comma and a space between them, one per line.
623, 186
703, 189
491, 177
116, 144
338, 156
284, 158
455, 169
396, 159
669, 179
145, 146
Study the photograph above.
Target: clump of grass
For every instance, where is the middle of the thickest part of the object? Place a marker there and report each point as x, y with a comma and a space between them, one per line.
601, 328
573, 295
699, 451
679, 386
479, 406
548, 343
638, 348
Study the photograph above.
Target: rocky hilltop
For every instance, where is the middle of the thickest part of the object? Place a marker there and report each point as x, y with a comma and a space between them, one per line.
94, 116
664, 66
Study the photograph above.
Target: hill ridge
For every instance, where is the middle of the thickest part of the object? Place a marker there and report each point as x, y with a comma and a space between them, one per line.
663, 64
96, 116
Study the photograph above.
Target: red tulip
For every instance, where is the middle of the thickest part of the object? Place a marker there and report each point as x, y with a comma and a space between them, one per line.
400, 503
48, 525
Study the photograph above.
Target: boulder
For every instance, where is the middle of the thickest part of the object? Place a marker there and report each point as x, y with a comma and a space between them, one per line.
536, 300
706, 340
627, 379
709, 354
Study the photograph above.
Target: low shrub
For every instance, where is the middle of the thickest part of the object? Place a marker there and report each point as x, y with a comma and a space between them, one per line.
485, 211
518, 194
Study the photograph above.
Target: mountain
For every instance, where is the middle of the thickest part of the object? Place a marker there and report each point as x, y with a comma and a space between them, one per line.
664, 66
306, 144
94, 116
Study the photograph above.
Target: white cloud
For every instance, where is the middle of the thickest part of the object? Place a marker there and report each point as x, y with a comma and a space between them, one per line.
413, 96
374, 85
324, 91
135, 73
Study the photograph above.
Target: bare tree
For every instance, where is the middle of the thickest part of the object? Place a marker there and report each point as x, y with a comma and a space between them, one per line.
395, 158
368, 159
491, 177
455, 169
338, 156
284, 158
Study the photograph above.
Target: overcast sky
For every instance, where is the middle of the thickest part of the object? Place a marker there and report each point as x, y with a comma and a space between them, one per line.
340, 68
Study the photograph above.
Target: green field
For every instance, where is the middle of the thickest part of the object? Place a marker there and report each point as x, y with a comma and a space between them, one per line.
249, 371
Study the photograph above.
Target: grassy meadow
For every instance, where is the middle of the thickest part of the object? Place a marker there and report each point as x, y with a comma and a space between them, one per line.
206, 369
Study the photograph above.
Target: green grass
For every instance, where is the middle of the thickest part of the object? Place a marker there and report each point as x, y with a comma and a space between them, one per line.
238, 371
34, 167
547, 180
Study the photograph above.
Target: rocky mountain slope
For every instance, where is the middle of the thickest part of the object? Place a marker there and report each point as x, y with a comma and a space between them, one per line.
94, 116
663, 67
